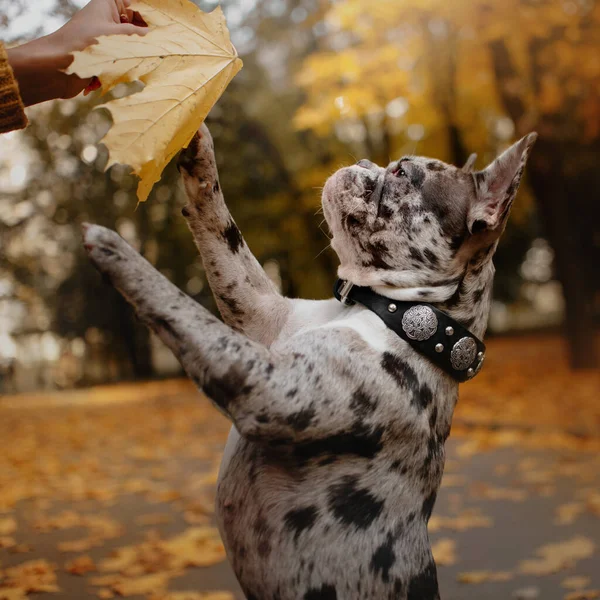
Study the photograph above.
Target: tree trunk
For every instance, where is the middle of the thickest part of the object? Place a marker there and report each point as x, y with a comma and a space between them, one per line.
565, 202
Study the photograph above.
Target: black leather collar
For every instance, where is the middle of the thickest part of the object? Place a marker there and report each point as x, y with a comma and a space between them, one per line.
444, 341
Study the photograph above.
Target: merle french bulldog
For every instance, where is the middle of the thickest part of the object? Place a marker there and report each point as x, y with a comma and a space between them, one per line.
336, 452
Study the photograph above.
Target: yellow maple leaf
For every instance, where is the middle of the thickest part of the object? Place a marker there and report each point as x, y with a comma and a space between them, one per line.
186, 60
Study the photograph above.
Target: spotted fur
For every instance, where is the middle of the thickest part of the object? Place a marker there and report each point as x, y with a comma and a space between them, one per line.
331, 470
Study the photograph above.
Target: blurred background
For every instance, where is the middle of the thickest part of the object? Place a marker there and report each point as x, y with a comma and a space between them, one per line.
324, 83
119, 479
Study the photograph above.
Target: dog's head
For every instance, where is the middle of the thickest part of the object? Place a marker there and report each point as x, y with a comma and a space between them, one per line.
416, 224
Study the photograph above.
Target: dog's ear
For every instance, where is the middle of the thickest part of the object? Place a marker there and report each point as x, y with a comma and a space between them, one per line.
496, 187
468, 166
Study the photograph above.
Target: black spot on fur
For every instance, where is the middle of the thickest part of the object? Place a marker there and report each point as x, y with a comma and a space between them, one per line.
226, 389
159, 323
233, 237
263, 418
383, 559
457, 242
359, 441
433, 418
385, 211
302, 419
232, 305
428, 505
431, 257
436, 166
415, 254
361, 404
478, 226
216, 187
417, 176
353, 505
477, 295
301, 519
264, 535
424, 397
479, 178
326, 592
424, 586
378, 251
403, 374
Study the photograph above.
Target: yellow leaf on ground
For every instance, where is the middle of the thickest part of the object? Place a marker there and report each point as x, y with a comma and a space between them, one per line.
554, 557
146, 584
12, 594
31, 576
575, 582
186, 60
7, 526
484, 576
566, 514
444, 551
466, 520
194, 596
584, 595
80, 565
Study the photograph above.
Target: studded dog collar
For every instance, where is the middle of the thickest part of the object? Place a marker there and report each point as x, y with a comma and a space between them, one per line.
444, 341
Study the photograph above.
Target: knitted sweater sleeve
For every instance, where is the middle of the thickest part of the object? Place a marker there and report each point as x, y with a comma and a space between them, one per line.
12, 111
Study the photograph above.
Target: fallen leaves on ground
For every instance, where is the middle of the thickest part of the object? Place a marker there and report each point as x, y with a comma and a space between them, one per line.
7, 526
31, 576
80, 565
575, 582
186, 60
484, 576
527, 382
100, 528
194, 596
466, 520
444, 552
583, 595
558, 556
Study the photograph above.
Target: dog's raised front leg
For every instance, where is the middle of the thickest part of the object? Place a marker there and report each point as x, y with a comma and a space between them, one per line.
246, 297
267, 395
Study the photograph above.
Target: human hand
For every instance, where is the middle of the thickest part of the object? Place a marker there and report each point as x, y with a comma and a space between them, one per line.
39, 65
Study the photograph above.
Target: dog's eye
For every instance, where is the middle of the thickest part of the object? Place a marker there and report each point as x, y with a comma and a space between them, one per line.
399, 172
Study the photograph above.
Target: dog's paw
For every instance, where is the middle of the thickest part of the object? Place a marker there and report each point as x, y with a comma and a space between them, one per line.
104, 246
198, 169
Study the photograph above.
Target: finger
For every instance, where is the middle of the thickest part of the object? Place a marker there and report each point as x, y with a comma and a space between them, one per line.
123, 11
117, 9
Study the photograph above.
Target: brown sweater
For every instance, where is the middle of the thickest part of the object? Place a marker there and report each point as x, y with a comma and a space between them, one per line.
12, 111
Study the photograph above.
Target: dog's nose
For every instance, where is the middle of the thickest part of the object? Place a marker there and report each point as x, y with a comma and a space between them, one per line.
365, 163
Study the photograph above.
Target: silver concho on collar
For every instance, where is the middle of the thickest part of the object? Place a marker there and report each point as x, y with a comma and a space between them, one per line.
463, 353
419, 323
